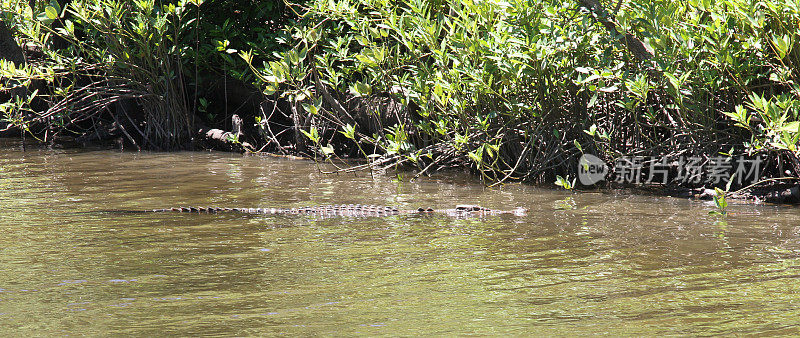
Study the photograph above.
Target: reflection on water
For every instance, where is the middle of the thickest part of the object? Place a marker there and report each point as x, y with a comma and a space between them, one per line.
577, 264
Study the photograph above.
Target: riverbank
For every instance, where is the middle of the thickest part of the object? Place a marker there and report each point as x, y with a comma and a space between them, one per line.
517, 91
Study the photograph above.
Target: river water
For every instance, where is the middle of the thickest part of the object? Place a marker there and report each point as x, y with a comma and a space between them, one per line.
582, 263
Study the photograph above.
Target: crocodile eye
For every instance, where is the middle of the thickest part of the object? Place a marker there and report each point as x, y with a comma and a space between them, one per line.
476, 208
461, 207
421, 210
429, 210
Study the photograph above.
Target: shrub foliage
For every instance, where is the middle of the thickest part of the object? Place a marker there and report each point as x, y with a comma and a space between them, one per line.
513, 89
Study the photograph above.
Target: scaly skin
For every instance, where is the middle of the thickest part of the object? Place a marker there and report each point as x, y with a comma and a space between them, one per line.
351, 210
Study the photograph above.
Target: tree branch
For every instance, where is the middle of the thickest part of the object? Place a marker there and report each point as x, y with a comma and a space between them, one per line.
633, 44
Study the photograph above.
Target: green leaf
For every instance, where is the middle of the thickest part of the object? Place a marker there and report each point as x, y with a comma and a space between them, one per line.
673, 81
366, 60
475, 157
43, 17
361, 89
349, 131
783, 44
270, 89
592, 101
56, 6
292, 58
730, 181
564, 182
312, 36
592, 78
720, 200
312, 135
311, 109
793, 126
327, 150
592, 130
203, 104
246, 56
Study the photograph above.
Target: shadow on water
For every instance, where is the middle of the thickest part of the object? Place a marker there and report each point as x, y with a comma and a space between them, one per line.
576, 264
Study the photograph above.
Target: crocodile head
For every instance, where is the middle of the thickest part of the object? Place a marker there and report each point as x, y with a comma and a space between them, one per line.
473, 209
470, 207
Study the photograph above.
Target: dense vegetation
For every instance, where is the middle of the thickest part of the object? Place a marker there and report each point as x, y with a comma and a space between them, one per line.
512, 89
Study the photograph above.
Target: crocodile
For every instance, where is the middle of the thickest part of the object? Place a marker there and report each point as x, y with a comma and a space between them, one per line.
352, 210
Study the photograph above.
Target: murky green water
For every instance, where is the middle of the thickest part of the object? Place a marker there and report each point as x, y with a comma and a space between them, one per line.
577, 264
